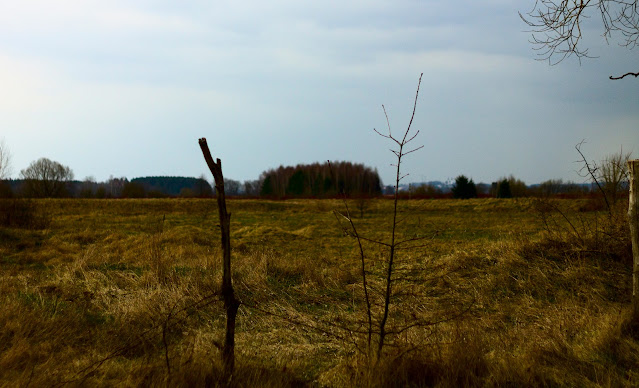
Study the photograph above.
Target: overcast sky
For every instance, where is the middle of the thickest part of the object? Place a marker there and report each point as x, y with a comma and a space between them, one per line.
125, 88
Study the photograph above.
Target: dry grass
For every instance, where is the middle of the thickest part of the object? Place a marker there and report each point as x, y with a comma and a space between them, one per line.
124, 292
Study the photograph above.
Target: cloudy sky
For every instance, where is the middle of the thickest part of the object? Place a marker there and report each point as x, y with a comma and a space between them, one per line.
125, 88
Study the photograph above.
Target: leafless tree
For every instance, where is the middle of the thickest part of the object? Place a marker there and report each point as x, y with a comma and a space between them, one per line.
87, 187
610, 176
5, 160
393, 288
46, 178
232, 187
252, 188
614, 174
558, 26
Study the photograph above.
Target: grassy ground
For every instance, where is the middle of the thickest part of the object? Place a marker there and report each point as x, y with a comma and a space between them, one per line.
506, 292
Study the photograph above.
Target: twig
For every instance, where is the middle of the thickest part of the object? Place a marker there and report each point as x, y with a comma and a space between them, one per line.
623, 76
591, 172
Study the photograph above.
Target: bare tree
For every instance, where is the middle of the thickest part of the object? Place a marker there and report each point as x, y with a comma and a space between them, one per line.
232, 187
88, 187
252, 188
611, 176
557, 26
614, 174
5, 160
395, 301
46, 178
400, 152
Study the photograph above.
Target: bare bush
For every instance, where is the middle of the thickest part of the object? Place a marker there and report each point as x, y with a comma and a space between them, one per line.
599, 228
613, 172
610, 176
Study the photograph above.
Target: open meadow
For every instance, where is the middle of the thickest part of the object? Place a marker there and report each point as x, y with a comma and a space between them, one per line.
487, 292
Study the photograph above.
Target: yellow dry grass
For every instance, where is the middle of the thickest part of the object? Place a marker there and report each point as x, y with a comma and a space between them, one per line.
123, 292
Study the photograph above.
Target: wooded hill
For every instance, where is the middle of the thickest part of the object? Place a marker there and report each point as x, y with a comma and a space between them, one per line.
321, 180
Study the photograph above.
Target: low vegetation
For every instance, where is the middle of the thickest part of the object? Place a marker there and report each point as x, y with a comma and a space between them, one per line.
125, 292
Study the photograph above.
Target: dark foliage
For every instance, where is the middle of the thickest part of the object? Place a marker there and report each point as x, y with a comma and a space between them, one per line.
503, 189
5, 190
297, 183
173, 186
320, 180
464, 188
133, 190
267, 187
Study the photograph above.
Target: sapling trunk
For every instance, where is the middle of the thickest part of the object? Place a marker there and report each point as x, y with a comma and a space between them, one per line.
231, 303
399, 153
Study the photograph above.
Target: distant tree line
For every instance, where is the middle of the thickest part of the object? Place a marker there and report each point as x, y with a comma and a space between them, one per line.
174, 186
48, 179
506, 187
45, 178
320, 180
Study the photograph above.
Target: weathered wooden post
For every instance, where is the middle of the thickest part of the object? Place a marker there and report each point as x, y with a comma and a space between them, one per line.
231, 303
633, 219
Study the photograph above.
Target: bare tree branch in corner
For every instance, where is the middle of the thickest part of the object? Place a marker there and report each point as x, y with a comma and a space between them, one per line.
623, 76
557, 26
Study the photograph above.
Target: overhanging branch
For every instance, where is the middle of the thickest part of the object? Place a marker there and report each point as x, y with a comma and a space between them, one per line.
621, 77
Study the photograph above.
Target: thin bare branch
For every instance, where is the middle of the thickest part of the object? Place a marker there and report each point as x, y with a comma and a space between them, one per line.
591, 172
413, 150
556, 26
390, 134
419, 83
623, 76
382, 135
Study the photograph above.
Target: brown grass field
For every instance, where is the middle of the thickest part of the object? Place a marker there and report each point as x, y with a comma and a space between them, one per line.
506, 293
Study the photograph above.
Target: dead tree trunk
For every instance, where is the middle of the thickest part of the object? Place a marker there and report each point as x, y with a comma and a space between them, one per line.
633, 219
231, 303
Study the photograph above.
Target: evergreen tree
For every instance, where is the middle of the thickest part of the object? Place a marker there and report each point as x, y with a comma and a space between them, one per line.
296, 183
503, 189
267, 187
464, 188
